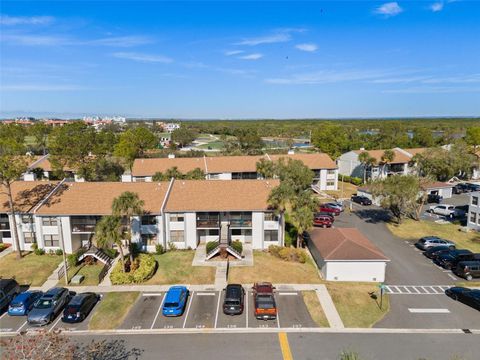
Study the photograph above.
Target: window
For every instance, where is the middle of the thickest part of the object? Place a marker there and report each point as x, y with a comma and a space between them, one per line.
149, 239
214, 176
49, 221
27, 219
177, 236
241, 219
4, 223
140, 178
149, 220
244, 175
331, 172
241, 232
270, 235
473, 217
331, 183
270, 216
176, 217
474, 200
208, 232
51, 240
28, 237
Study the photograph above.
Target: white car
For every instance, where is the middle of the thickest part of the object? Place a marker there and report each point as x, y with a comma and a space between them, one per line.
445, 210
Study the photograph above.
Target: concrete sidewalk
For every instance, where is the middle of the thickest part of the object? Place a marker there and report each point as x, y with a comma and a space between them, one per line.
329, 308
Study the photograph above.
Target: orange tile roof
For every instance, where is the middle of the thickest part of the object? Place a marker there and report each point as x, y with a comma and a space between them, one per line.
400, 158
148, 167
312, 161
95, 198
345, 244
415, 151
221, 164
220, 195
26, 195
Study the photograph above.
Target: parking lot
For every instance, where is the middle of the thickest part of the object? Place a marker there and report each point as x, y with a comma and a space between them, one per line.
202, 311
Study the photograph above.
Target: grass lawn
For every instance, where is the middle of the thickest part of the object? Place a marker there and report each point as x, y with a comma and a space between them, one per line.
90, 272
270, 268
112, 310
348, 190
355, 306
175, 267
31, 269
212, 145
413, 230
315, 308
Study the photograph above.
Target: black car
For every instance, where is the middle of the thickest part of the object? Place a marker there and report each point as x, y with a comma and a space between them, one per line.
472, 187
461, 188
435, 251
362, 200
234, 301
434, 199
451, 258
79, 307
467, 296
9, 288
468, 269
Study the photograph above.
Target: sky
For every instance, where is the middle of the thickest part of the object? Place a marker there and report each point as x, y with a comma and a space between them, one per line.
236, 60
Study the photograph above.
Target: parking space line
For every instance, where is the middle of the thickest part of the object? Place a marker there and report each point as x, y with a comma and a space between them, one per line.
21, 327
288, 293
218, 307
152, 294
415, 288
388, 288
452, 276
278, 319
158, 312
397, 289
406, 288
205, 294
55, 323
434, 291
429, 311
246, 311
188, 309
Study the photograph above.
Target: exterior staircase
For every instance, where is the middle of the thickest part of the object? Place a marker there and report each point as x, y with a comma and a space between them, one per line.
223, 246
97, 254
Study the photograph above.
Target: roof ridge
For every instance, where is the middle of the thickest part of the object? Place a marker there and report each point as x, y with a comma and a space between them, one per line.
373, 248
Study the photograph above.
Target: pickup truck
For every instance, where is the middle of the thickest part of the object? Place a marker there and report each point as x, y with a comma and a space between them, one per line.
445, 210
265, 306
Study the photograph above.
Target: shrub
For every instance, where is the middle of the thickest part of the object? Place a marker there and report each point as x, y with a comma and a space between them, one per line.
59, 252
211, 245
111, 253
274, 250
146, 266
2, 247
237, 246
38, 251
34, 246
72, 259
288, 253
352, 180
159, 250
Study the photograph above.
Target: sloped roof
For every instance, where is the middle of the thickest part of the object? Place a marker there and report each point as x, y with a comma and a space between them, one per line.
95, 198
415, 151
148, 167
219, 195
312, 161
400, 157
341, 244
220, 164
26, 195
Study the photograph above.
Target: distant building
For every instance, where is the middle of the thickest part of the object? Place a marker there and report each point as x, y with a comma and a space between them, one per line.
473, 219
171, 127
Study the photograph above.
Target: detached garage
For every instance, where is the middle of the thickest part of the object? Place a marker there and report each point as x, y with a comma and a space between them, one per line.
344, 254
439, 188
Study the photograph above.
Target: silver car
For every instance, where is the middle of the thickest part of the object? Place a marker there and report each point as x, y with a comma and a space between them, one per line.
48, 306
427, 242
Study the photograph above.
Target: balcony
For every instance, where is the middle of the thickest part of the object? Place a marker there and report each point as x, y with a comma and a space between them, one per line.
208, 223
83, 228
241, 223
4, 226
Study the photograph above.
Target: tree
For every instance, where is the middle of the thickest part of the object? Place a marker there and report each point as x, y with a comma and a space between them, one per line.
249, 141
108, 231
387, 157
40, 132
295, 174
331, 139
279, 199
423, 137
195, 174
399, 194
472, 136
183, 136
266, 168
133, 143
127, 205
367, 161
173, 172
158, 176
303, 209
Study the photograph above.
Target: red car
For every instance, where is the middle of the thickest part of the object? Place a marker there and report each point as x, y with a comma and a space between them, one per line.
265, 306
323, 220
329, 209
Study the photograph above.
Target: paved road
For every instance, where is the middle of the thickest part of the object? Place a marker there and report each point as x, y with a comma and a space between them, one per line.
303, 346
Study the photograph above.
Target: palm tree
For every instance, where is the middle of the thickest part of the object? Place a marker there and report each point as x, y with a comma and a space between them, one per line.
367, 161
279, 199
387, 157
303, 209
127, 205
266, 168
108, 231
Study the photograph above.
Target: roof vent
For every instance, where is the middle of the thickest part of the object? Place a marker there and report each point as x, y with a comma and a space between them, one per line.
171, 156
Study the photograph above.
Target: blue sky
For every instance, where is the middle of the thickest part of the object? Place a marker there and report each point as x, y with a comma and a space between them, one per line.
230, 59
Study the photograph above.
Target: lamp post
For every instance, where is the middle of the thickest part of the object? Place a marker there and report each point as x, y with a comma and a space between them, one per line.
60, 230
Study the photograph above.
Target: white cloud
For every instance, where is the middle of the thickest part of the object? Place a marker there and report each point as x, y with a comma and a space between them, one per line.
25, 20
269, 39
141, 57
35, 40
330, 76
254, 56
56, 40
120, 41
41, 87
436, 7
433, 90
307, 47
389, 9
233, 52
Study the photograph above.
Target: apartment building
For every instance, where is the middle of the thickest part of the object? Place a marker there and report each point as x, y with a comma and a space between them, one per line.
235, 167
42, 164
350, 165
473, 219
178, 213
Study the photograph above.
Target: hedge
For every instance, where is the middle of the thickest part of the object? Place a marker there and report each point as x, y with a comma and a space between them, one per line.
351, 179
288, 253
145, 270
237, 246
211, 245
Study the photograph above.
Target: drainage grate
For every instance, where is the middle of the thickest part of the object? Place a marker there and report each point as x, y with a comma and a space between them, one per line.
466, 331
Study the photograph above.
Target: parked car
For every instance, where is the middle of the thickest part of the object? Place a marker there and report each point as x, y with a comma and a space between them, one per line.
265, 306
452, 263
329, 209
48, 306
362, 200
447, 260
323, 220
472, 187
79, 307
461, 188
468, 269
427, 242
23, 303
467, 296
445, 210
337, 205
435, 251
234, 301
434, 198
9, 288
175, 301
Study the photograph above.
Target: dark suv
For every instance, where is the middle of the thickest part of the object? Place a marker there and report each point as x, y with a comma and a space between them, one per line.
9, 288
450, 259
234, 299
362, 200
468, 269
